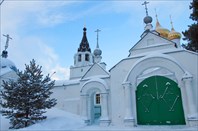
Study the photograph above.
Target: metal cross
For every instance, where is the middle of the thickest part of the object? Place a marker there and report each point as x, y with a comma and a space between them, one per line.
97, 37
145, 3
7, 40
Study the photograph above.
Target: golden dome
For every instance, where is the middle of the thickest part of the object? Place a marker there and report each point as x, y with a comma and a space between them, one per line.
162, 31
174, 35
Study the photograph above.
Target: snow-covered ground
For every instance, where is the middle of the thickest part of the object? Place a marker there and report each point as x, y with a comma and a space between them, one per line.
61, 120
56, 120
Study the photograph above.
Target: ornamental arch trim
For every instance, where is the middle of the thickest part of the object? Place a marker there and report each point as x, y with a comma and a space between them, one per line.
155, 60
97, 84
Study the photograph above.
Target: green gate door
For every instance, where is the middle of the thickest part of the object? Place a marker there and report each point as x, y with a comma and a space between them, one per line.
159, 102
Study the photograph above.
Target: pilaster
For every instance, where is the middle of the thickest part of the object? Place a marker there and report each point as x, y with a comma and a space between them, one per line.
128, 119
192, 115
104, 120
84, 105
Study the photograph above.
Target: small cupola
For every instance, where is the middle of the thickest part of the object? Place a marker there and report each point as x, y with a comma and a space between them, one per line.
97, 52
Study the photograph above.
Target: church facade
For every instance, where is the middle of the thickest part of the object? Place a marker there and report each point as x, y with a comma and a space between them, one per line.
155, 85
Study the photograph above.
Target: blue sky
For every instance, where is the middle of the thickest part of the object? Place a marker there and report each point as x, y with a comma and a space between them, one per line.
50, 31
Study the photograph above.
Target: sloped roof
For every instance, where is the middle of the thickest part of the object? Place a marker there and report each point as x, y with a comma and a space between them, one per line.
84, 45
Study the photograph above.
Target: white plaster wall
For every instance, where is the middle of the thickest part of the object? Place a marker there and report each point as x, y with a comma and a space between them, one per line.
68, 98
118, 74
151, 42
78, 72
189, 60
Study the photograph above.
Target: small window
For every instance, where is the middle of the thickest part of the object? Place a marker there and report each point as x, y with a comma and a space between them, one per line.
79, 57
97, 98
86, 57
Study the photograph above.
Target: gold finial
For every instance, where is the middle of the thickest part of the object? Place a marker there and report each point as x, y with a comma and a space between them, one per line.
157, 21
173, 34
171, 22
156, 14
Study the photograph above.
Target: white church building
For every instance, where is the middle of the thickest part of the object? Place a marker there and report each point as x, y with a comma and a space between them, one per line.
157, 84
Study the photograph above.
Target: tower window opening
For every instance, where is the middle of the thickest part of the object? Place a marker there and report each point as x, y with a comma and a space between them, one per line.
97, 99
86, 57
79, 57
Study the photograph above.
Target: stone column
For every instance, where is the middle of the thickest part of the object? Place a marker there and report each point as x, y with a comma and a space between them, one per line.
128, 120
104, 120
192, 113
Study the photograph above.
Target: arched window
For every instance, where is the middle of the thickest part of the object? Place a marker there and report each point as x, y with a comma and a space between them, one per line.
79, 57
86, 57
97, 99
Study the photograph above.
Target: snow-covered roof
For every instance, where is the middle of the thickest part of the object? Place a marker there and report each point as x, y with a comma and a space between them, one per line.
66, 82
6, 66
96, 77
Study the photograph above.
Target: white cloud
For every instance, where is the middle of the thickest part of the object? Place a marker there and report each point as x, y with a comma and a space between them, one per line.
15, 16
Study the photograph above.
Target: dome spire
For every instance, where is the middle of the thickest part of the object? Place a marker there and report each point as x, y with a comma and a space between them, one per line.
97, 51
84, 45
171, 23
148, 19
173, 34
163, 32
97, 46
4, 52
157, 21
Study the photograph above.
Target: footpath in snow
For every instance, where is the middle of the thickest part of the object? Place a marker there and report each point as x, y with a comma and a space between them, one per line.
60, 120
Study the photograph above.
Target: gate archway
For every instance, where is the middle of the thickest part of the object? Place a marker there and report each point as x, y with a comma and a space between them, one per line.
92, 111
159, 102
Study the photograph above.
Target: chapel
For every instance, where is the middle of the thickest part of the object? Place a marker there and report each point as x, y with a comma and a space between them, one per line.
155, 85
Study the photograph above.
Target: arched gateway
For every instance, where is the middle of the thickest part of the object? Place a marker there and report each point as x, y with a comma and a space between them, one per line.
158, 92
159, 102
94, 102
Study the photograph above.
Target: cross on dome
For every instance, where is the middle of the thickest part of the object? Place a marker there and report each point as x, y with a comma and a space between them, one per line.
4, 52
148, 19
97, 51
7, 40
97, 46
145, 3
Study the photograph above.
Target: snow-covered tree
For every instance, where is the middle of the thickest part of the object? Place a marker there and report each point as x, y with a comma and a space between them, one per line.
25, 100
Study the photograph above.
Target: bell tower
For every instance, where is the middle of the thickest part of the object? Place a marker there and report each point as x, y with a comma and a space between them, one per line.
83, 59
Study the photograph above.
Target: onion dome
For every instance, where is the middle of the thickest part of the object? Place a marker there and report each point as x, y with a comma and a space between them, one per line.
97, 52
162, 31
147, 19
173, 34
